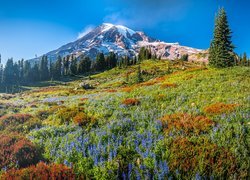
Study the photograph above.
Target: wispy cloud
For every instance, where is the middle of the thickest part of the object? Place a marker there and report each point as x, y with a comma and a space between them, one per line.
146, 13
85, 31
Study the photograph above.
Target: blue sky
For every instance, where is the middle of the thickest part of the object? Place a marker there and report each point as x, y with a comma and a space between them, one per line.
34, 27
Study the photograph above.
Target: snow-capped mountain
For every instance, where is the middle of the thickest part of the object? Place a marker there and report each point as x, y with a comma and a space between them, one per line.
121, 40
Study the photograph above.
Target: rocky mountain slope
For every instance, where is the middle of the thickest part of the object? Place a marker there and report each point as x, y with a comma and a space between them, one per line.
123, 41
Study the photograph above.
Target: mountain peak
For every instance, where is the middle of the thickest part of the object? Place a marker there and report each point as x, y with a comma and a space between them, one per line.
122, 29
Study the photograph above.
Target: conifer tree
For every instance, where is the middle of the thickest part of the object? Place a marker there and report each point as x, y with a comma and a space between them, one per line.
73, 66
84, 65
1, 70
8, 73
27, 72
33, 73
244, 60
139, 75
43, 68
100, 62
221, 52
58, 68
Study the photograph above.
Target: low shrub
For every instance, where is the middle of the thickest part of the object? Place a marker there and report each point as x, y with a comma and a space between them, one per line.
83, 119
219, 108
17, 151
131, 102
18, 123
168, 85
127, 89
111, 90
83, 99
66, 114
200, 156
185, 123
41, 171
148, 83
160, 97
160, 79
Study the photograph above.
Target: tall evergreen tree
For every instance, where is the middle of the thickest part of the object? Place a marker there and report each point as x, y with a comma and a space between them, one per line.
58, 68
1, 70
8, 73
244, 60
84, 65
73, 66
66, 63
100, 62
27, 72
139, 75
34, 76
43, 69
221, 51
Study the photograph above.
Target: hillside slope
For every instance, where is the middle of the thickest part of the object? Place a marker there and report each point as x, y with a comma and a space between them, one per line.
182, 121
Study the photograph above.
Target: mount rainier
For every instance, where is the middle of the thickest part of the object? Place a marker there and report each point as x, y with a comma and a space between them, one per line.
124, 42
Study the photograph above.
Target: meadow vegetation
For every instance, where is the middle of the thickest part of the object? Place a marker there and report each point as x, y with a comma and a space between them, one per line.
183, 121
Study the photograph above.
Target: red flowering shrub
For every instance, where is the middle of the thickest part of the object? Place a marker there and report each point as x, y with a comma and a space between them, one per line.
16, 150
186, 123
41, 171
219, 108
131, 102
200, 156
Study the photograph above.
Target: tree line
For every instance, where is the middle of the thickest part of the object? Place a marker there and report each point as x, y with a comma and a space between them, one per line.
27, 72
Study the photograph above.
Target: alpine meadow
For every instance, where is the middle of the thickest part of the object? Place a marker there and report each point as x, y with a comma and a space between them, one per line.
117, 103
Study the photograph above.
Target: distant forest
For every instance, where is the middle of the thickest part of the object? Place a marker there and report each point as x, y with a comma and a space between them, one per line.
15, 74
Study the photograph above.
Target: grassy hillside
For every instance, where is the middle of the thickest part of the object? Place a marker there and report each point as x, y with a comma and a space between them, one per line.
184, 121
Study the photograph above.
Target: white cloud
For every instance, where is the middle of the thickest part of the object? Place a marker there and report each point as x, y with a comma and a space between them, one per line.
85, 31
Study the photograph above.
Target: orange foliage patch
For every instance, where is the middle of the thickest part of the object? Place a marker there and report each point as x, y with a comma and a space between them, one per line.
169, 85
41, 171
219, 108
187, 155
83, 99
111, 90
186, 123
14, 119
191, 76
128, 89
82, 119
149, 83
160, 79
196, 69
160, 97
131, 102
47, 89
